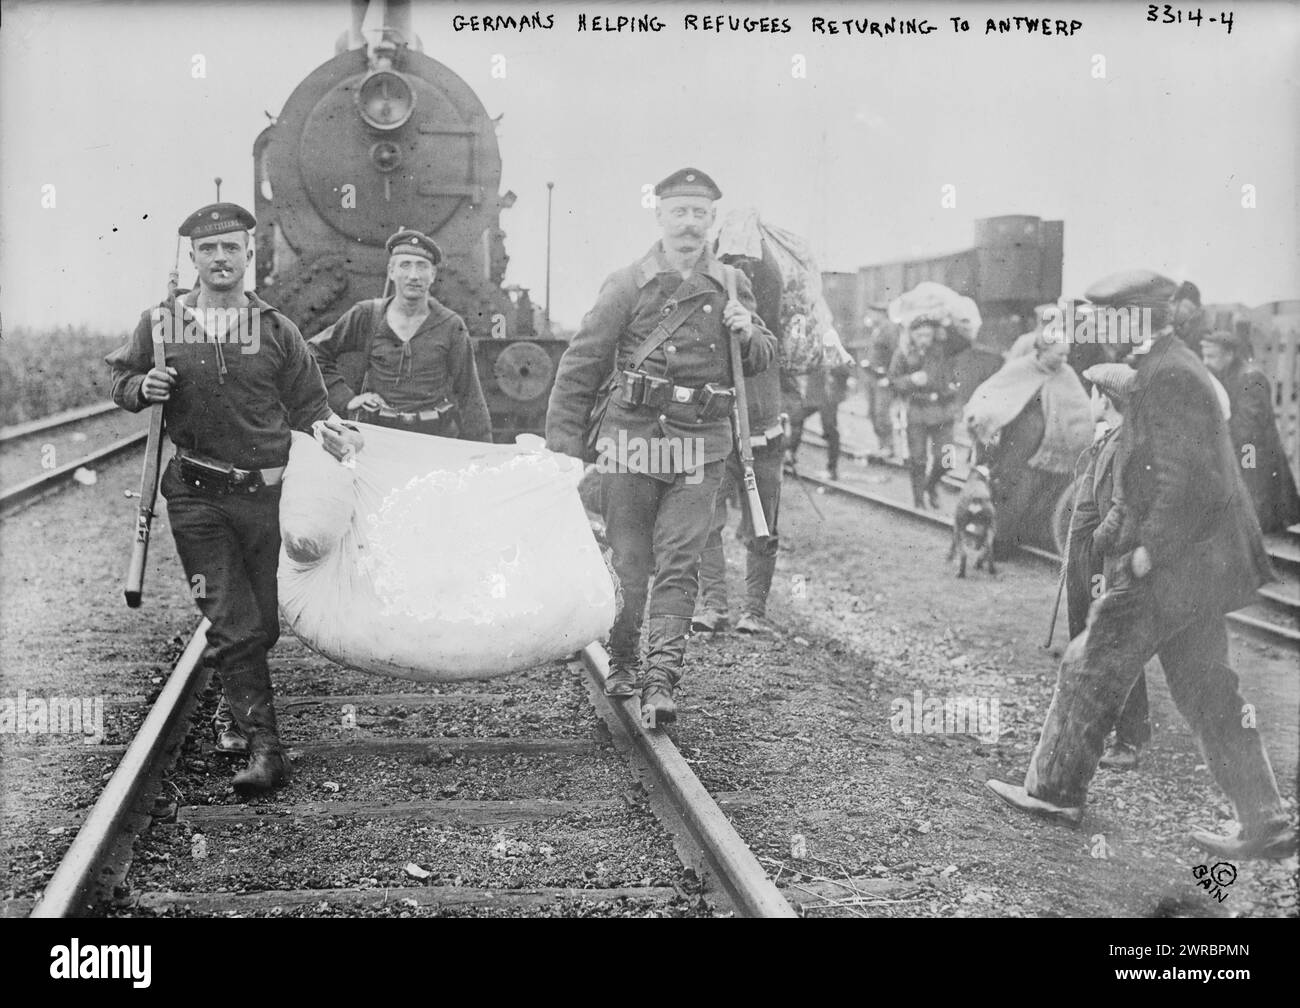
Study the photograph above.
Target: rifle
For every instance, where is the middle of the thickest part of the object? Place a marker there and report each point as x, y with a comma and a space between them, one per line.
134, 589
740, 422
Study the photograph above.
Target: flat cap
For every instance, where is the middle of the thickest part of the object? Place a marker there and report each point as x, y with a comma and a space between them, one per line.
1132, 287
688, 182
1114, 379
215, 219
411, 242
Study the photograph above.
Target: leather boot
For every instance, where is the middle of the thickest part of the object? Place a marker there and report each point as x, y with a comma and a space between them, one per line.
664, 657
624, 677
229, 740
248, 690
268, 764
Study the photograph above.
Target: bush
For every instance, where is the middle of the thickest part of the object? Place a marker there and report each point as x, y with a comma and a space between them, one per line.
46, 372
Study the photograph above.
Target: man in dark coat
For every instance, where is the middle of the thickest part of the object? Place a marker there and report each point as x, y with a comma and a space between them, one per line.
660, 330
1190, 551
1253, 429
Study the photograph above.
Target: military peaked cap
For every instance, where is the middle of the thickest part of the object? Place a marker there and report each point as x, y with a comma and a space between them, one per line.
215, 219
412, 242
688, 182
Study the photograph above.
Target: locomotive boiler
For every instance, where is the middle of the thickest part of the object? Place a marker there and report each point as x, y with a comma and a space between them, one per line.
378, 138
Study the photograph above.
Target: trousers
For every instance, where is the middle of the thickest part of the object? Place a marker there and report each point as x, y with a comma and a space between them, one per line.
926, 467
1099, 669
229, 547
656, 528
760, 562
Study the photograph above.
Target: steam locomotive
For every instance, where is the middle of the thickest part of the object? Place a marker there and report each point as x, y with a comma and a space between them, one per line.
382, 137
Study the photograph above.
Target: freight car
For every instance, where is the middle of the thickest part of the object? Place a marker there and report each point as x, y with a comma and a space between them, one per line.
381, 137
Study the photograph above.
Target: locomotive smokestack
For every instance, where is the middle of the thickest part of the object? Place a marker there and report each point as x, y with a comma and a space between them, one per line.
397, 19
394, 17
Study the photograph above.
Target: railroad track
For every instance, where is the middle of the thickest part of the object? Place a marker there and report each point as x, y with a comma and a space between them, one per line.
1273, 620
125, 837
37, 479
182, 845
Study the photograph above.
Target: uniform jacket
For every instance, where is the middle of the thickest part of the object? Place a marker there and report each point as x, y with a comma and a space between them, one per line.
935, 402
1271, 483
631, 303
1181, 479
437, 363
235, 401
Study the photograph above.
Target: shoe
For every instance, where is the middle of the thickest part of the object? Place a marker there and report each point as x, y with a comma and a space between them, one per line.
1120, 756
710, 621
918, 502
658, 708
226, 736
624, 677
1016, 796
268, 767
751, 624
1275, 841
933, 494
831, 476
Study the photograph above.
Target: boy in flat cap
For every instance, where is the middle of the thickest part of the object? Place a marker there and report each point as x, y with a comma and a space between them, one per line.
229, 405
1191, 551
659, 333
1096, 525
419, 362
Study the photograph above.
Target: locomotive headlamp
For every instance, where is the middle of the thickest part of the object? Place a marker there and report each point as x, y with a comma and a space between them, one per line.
385, 100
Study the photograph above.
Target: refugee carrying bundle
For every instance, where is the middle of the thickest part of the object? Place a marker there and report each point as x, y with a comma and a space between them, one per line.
805, 331
436, 559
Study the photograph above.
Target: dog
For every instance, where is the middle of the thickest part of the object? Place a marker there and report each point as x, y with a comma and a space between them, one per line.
974, 523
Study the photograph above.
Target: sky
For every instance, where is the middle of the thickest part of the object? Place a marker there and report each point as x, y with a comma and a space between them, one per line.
1145, 163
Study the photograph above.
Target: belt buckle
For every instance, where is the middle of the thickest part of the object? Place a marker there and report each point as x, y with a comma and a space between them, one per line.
682, 394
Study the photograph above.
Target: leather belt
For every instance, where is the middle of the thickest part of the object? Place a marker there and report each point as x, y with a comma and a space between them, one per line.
771, 434
411, 416
270, 477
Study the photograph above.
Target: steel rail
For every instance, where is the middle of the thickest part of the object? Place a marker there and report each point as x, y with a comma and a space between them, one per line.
67, 892
752, 893
27, 429
1252, 626
38, 486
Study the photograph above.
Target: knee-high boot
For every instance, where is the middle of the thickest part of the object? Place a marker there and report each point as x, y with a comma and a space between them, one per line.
665, 656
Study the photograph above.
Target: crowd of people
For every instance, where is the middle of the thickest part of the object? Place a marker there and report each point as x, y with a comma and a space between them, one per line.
693, 341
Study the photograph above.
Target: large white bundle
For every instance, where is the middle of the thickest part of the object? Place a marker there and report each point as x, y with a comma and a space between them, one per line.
436, 559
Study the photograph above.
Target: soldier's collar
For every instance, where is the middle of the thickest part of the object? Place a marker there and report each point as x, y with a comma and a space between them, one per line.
653, 263
438, 312
190, 299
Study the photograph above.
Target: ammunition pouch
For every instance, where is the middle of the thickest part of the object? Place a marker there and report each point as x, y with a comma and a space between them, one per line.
716, 402
217, 477
641, 389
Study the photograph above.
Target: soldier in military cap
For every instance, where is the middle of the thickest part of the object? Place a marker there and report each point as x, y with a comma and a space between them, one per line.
229, 405
419, 362
659, 335
1188, 550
